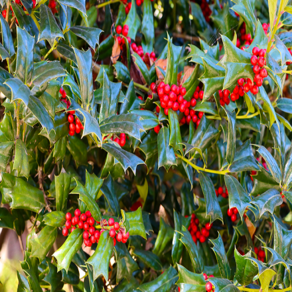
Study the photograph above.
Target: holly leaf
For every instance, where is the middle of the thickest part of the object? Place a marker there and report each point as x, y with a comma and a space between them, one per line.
6, 219
163, 283
223, 285
7, 40
175, 140
212, 206
124, 123
21, 194
21, 163
221, 257
150, 259
84, 62
110, 97
166, 156
101, 257
66, 252
49, 29
62, 188
133, 21
24, 57
55, 219
267, 201
78, 149
231, 136
43, 241
89, 34
238, 198
131, 102
189, 281
245, 269
135, 221
147, 27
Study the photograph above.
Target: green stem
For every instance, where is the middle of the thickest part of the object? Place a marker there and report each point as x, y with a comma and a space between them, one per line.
39, 4
35, 21
198, 169
214, 118
141, 86
247, 116
106, 3
51, 49
17, 120
8, 65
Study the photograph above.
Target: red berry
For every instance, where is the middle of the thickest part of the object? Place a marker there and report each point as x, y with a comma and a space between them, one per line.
119, 237
166, 111
264, 73
208, 226
85, 235
96, 234
261, 254
111, 221
68, 224
91, 230
220, 190
87, 242
175, 106
116, 226
205, 276
201, 94
68, 216
75, 220
256, 69
226, 92
152, 85
262, 62
254, 60
83, 217
166, 89
157, 109
255, 51
80, 224
262, 53
72, 229
4, 13
91, 221
125, 32
157, 129
112, 232
229, 212
202, 239
92, 239
85, 226
172, 96
240, 81
77, 212
65, 231
170, 104
234, 210
246, 88
254, 90
183, 91
119, 29
233, 218
209, 287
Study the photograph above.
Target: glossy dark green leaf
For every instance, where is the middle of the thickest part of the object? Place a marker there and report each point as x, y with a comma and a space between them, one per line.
166, 156
7, 40
204, 134
192, 82
189, 281
221, 257
43, 241
21, 163
225, 21
24, 57
285, 105
5, 153
223, 285
22, 195
135, 221
175, 140
77, 4
192, 249
49, 29
142, 67
213, 78
122, 72
198, 17
88, 200
245, 9
66, 252
62, 187
67, 51
47, 71
149, 148
89, 34
133, 21
84, 63
110, 95
124, 123
147, 27
150, 259
163, 283
196, 55
55, 219
238, 198
125, 158
271, 163
3, 53
101, 257
18, 90
164, 236
6, 219
126, 266
231, 136
213, 209
78, 149
173, 54
267, 201
147, 118
177, 246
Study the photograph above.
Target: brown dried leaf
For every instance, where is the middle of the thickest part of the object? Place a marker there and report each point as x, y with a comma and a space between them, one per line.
250, 226
188, 71
162, 64
116, 52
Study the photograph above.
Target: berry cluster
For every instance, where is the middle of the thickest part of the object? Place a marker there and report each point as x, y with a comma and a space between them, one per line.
124, 31
244, 37
121, 140
145, 57
195, 231
52, 5
260, 254
220, 191
75, 126
172, 97
128, 7
206, 10
91, 233
232, 213
209, 287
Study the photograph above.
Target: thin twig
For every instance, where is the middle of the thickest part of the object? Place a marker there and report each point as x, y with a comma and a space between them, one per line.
41, 187
21, 245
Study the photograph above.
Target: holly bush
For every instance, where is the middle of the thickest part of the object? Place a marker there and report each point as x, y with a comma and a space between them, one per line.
146, 145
